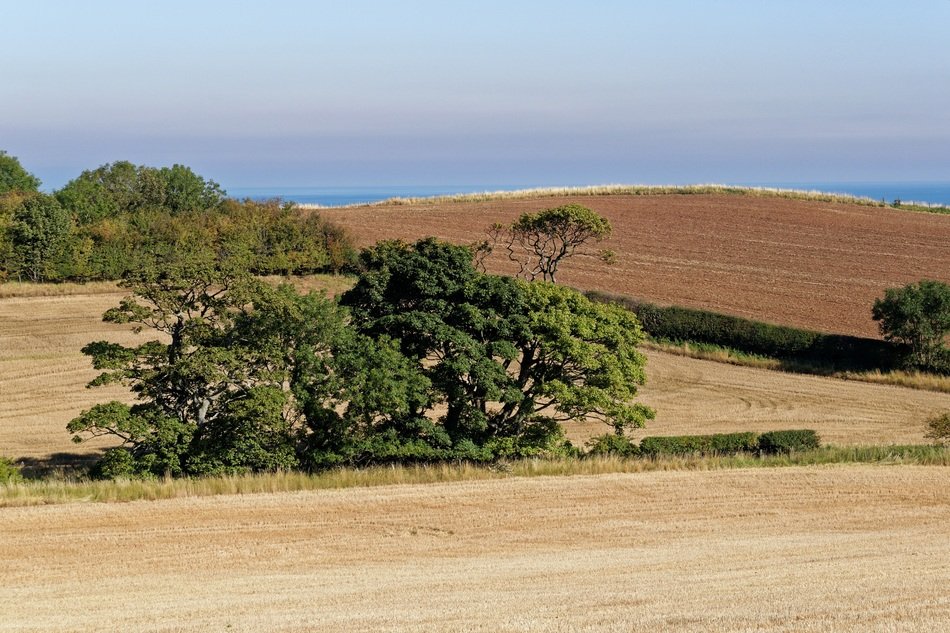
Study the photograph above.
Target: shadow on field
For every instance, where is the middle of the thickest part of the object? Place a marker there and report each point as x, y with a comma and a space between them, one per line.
57, 464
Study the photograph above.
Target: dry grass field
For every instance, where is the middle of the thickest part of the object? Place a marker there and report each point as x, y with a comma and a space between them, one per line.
42, 373
843, 548
43, 377
806, 263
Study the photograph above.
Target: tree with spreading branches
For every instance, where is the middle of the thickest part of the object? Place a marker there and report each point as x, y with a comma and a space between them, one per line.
539, 242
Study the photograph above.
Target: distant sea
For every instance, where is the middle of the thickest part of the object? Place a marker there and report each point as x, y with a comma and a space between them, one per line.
929, 192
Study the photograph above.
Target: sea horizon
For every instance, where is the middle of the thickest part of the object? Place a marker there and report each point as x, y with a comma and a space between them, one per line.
927, 192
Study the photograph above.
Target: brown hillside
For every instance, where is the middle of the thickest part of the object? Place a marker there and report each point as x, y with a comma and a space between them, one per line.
804, 263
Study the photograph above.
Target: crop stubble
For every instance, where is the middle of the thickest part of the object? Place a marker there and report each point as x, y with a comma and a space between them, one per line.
803, 263
847, 548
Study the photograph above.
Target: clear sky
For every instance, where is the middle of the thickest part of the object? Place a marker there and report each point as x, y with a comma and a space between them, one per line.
419, 92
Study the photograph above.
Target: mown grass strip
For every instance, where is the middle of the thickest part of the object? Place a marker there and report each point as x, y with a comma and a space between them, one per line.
56, 491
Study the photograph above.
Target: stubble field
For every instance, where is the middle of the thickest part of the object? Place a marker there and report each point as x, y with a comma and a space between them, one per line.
804, 263
848, 548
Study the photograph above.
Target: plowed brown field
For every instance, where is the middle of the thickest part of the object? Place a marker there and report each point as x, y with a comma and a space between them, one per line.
803, 263
854, 548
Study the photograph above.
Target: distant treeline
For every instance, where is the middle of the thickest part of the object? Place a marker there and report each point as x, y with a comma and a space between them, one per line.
832, 352
120, 217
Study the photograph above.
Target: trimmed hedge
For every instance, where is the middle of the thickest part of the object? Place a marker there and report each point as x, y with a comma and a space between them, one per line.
771, 443
757, 337
716, 444
784, 442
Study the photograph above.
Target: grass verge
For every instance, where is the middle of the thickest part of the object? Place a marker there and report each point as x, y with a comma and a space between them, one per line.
56, 491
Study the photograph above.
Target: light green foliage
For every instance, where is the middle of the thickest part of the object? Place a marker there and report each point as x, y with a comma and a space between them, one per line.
581, 358
540, 242
9, 472
122, 188
918, 315
13, 177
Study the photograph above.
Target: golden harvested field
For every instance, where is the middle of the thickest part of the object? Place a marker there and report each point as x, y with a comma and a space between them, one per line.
43, 377
804, 263
844, 548
43, 374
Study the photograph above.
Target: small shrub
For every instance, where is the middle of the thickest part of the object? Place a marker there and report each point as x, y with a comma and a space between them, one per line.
715, 444
9, 472
612, 444
939, 428
115, 463
785, 442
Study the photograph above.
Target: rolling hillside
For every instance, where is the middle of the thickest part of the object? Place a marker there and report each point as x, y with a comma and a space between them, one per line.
805, 263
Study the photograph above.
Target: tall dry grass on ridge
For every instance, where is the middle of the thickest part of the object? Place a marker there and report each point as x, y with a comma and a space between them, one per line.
642, 190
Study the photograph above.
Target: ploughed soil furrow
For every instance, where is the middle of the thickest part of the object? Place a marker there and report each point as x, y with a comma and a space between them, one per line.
803, 263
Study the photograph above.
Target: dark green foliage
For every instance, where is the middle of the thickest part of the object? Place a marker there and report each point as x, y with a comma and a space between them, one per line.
500, 352
784, 442
243, 377
831, 351
715, 444
918, 316
9, 472
216, 391
13, 177
612, 444
117, 463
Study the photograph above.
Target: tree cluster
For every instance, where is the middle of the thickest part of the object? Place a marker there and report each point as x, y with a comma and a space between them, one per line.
426, 358
121, 217
917, 316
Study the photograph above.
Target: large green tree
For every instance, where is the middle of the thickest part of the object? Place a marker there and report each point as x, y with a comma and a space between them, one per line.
214, 386
40, 238
918, 316
509, 359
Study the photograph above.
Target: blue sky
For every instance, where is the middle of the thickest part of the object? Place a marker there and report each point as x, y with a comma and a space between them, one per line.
486, 92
